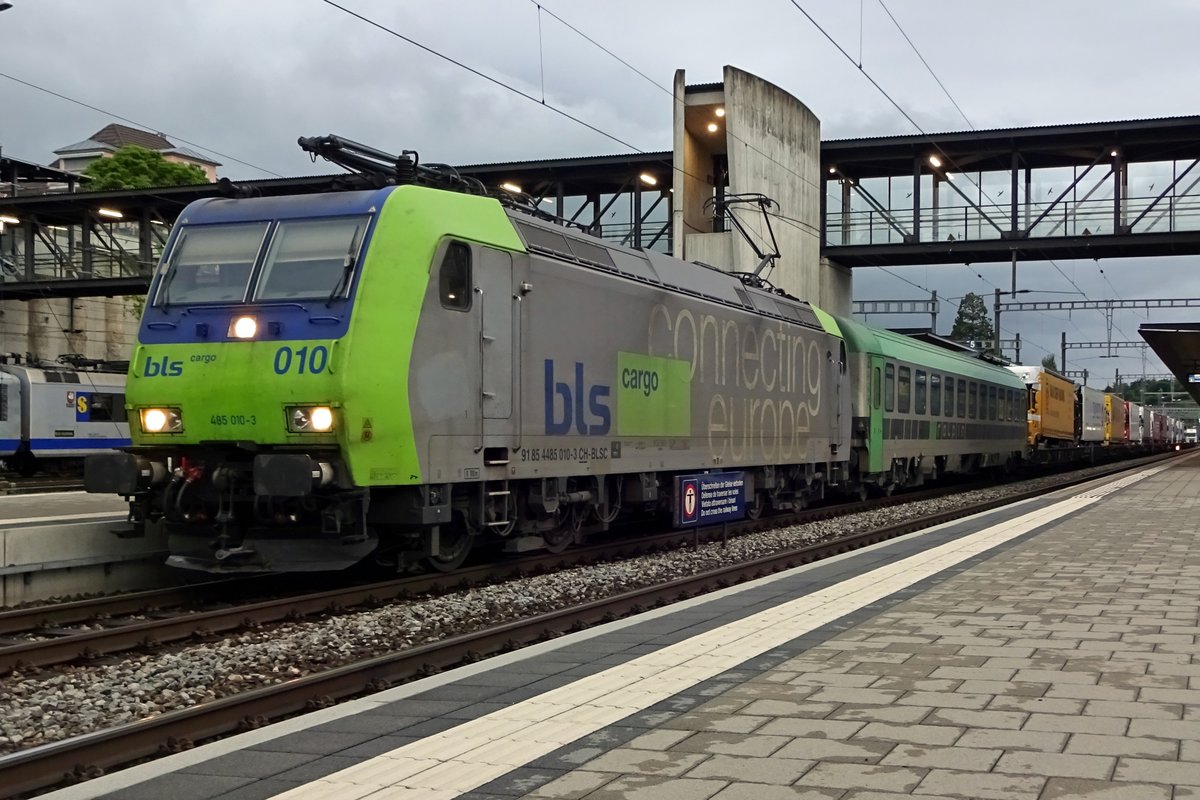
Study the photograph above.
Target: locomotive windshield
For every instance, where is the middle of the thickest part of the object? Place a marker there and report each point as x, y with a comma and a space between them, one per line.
310, 259
212, 263
305, 259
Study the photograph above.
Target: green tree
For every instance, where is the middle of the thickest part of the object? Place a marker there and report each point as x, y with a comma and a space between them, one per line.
134, 167
1050, 362
972, 323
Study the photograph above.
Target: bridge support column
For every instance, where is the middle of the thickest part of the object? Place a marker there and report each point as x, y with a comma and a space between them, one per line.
771, 143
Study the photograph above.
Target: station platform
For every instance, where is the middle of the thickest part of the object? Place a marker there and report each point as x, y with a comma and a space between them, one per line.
24, 508
1042, 651
58, 544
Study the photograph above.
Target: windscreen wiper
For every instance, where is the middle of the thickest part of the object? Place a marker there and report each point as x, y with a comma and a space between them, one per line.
347, 267
165, 292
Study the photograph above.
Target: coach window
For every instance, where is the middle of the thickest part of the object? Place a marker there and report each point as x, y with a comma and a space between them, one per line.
904, 391
972, 400
454, 278
935, 394
876, 387
962, 399
991, 403
921, 392
949, 396
889, 387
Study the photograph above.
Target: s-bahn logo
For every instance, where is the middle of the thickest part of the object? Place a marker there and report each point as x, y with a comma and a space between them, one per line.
565, 405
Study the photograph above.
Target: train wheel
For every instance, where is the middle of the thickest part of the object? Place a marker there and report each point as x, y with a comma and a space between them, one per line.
560, 538
454, 542
24, 464
755, 509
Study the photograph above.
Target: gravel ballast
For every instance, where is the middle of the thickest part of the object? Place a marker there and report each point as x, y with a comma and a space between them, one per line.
76, 699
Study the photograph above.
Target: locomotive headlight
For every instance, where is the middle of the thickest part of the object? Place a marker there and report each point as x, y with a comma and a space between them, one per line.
321, 418
243, 328
161, 420
310, 419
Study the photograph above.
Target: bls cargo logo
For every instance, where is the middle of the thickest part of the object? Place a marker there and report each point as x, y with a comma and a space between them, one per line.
565, 405
654, 396
164, 367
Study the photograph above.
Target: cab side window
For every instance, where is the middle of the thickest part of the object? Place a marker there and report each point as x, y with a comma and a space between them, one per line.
454, 277
106, 407
889, 387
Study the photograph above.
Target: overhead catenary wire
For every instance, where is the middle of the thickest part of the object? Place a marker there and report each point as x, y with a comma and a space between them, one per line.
948, 159
141, 125
544, 103
730, 134
971, 125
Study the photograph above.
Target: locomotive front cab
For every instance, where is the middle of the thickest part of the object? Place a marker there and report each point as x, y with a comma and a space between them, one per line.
234, 394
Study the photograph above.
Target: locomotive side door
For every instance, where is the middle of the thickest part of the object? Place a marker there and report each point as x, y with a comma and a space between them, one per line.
493, 292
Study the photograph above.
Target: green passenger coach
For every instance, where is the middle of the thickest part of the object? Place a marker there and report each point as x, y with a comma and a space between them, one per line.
920, 410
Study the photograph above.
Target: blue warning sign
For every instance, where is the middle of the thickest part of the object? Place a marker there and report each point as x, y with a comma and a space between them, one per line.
709, 498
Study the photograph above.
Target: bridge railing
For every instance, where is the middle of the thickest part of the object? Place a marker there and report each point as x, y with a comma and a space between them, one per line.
986, 222
58, 254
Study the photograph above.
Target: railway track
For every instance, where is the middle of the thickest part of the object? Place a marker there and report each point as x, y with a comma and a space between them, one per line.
47, 635
14, 484
85, 756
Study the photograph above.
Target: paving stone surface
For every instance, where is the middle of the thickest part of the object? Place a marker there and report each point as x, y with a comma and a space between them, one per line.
1064, 666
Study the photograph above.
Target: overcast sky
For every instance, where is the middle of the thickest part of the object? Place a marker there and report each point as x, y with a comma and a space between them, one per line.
244, 80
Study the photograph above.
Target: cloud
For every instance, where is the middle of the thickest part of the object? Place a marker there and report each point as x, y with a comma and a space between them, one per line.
247, 79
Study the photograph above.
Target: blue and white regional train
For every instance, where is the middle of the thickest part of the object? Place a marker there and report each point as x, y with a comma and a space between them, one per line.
52, 415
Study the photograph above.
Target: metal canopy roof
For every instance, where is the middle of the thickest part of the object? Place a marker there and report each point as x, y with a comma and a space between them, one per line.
165, 202
1178, 345
1149, 140
579, 176
14, 171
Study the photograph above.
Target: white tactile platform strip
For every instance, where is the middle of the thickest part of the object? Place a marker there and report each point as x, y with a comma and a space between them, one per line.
474, 753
